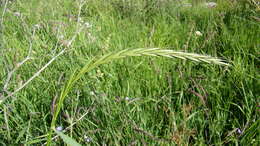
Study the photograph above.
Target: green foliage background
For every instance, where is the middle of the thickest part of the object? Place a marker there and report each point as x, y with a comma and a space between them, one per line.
142, 100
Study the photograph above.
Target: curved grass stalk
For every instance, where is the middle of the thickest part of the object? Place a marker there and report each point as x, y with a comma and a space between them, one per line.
122, 54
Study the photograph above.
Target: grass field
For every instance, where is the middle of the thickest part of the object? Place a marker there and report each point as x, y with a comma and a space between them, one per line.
145, 100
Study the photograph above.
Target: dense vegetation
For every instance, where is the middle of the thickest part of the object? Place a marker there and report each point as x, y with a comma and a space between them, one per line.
137, 100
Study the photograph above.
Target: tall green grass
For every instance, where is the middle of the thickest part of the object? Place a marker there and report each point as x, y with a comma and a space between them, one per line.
136, 100
93, 63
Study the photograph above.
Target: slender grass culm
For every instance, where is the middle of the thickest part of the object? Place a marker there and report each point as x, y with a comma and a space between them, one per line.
91, 64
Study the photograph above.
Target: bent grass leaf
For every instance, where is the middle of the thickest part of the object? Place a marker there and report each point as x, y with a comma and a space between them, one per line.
68, 140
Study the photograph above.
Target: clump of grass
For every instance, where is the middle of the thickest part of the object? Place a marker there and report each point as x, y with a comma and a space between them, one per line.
93, 63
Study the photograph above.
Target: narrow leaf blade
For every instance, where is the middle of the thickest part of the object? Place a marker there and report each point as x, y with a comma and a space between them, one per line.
68, 140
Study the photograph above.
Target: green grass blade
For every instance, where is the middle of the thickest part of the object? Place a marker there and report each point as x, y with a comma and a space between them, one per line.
68, 140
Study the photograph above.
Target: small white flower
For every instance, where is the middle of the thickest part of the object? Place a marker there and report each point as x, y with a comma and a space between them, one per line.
127, 98
87, 139
198, 33
59, 128
239, 131
17, 14
211, 4
88, 25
